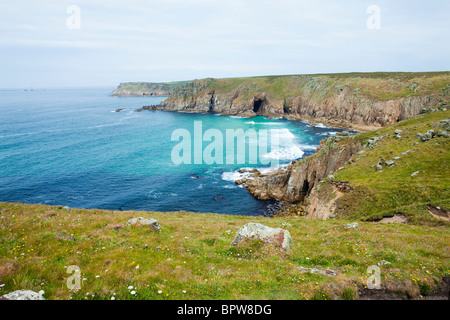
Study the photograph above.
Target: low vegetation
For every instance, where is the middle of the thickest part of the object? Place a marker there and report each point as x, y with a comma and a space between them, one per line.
417, 178
192, 258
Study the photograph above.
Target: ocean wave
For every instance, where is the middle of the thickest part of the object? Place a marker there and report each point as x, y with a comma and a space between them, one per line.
288, 153
234, 175
231, 186
318, 125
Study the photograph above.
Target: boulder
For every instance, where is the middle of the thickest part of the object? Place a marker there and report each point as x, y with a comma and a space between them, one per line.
23, 295
353, 225
276, 236
390, 163
140, 221
443, 133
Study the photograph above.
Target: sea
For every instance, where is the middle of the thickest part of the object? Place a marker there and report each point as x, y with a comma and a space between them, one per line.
70, 147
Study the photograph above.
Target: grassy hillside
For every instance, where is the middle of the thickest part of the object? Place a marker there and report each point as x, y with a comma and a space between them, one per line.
418, 178
378, 85
191, 258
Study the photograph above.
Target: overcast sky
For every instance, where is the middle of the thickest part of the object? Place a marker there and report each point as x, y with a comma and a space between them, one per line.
43, 45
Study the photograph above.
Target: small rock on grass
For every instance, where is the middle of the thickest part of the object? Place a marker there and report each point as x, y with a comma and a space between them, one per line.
353, 225
23, 295
140, 221
276, 236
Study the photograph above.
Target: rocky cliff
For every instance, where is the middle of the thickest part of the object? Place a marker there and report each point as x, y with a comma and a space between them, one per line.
360, 101
295, 182
145, 89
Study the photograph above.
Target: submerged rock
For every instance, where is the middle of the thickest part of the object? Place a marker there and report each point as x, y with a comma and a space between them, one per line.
275, 236
140, 221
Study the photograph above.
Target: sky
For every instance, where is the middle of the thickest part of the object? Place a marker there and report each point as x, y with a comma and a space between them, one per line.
102, 43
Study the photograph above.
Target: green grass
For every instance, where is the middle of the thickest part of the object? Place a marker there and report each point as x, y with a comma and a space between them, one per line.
192, 258
393, 190
377, 85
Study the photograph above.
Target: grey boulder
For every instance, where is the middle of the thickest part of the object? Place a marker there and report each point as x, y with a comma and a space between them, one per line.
140, 221
276, 236
23, 295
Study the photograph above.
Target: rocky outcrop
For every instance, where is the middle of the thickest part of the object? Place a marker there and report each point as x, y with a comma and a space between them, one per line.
295, 182
277, 237
140, 221
314, 98
144, 89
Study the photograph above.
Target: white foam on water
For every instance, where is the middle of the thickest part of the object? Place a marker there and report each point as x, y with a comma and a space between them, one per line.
288, 153
251, 122
234, 175
239, 117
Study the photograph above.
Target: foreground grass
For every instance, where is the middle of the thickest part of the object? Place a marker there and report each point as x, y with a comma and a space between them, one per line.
191, 258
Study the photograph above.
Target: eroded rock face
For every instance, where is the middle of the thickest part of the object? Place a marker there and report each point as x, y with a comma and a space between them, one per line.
140, 221
323, 103
297, 181
276, 236
23, 295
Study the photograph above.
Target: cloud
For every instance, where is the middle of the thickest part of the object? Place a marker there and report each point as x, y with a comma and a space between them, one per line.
217, 38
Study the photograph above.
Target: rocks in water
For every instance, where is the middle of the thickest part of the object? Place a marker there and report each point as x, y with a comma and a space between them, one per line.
327, 272
23, 295
241, 181
353, 225
276, 236
120, 109
140, 221
218, 197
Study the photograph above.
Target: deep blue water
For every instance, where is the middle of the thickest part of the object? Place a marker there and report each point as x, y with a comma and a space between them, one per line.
69, 147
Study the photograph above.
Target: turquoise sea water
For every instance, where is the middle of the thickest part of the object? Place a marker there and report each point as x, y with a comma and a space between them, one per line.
69, 147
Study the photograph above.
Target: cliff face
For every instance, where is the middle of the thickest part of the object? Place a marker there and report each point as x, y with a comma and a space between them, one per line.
145, 89
362, 102
296, 182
